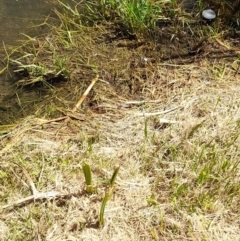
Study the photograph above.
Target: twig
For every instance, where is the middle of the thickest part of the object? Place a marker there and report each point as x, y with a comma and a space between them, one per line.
85, 94
227, 46
37, 197
71, 115
67, 115
30, 181
135, 102
36, 194
166, 121
43, 121
156, 113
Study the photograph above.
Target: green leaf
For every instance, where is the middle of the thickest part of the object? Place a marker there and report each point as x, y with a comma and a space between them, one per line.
102, 210
145, 129
114, 176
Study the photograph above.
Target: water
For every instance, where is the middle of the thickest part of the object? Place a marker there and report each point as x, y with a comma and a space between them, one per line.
17, 17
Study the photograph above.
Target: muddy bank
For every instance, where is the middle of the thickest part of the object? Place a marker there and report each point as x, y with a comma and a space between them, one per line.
78, 52
18, 18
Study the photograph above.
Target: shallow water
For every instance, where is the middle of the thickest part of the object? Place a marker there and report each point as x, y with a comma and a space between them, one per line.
19, 17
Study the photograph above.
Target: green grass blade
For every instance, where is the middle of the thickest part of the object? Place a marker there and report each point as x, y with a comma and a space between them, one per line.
107, 196
102, 210
145, 129
87, 173
88, 177
114, 176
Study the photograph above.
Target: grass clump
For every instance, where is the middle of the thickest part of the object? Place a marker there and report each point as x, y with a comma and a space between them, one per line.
139, 17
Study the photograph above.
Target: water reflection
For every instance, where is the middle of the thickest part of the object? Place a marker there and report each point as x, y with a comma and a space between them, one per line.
18, 16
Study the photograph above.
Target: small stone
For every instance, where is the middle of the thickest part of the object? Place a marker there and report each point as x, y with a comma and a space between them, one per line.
209, 14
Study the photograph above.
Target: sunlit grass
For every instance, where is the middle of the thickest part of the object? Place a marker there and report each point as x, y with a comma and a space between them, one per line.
139, 17
179, 169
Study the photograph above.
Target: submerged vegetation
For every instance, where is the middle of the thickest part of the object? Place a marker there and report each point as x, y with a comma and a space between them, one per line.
146, 86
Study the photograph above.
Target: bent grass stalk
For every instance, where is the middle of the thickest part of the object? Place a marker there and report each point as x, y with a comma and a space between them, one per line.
8, 59
107, 196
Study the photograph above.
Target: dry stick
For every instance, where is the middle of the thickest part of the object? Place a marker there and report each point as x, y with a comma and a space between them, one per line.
83, 97
39, 196
227, 46
67, 117
135, 102
85, 94
31, 183
43, 121
35, 197
166, 121
156, 113
23, 201
36, 194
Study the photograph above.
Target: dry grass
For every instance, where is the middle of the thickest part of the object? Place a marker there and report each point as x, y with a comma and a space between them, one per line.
177, 181
172, 128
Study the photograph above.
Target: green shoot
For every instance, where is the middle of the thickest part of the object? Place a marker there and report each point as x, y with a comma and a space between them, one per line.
102, 210
114, 176
145, 130
108, 195
88, 178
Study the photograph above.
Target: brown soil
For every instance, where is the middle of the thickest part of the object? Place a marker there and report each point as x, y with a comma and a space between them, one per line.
125, 61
